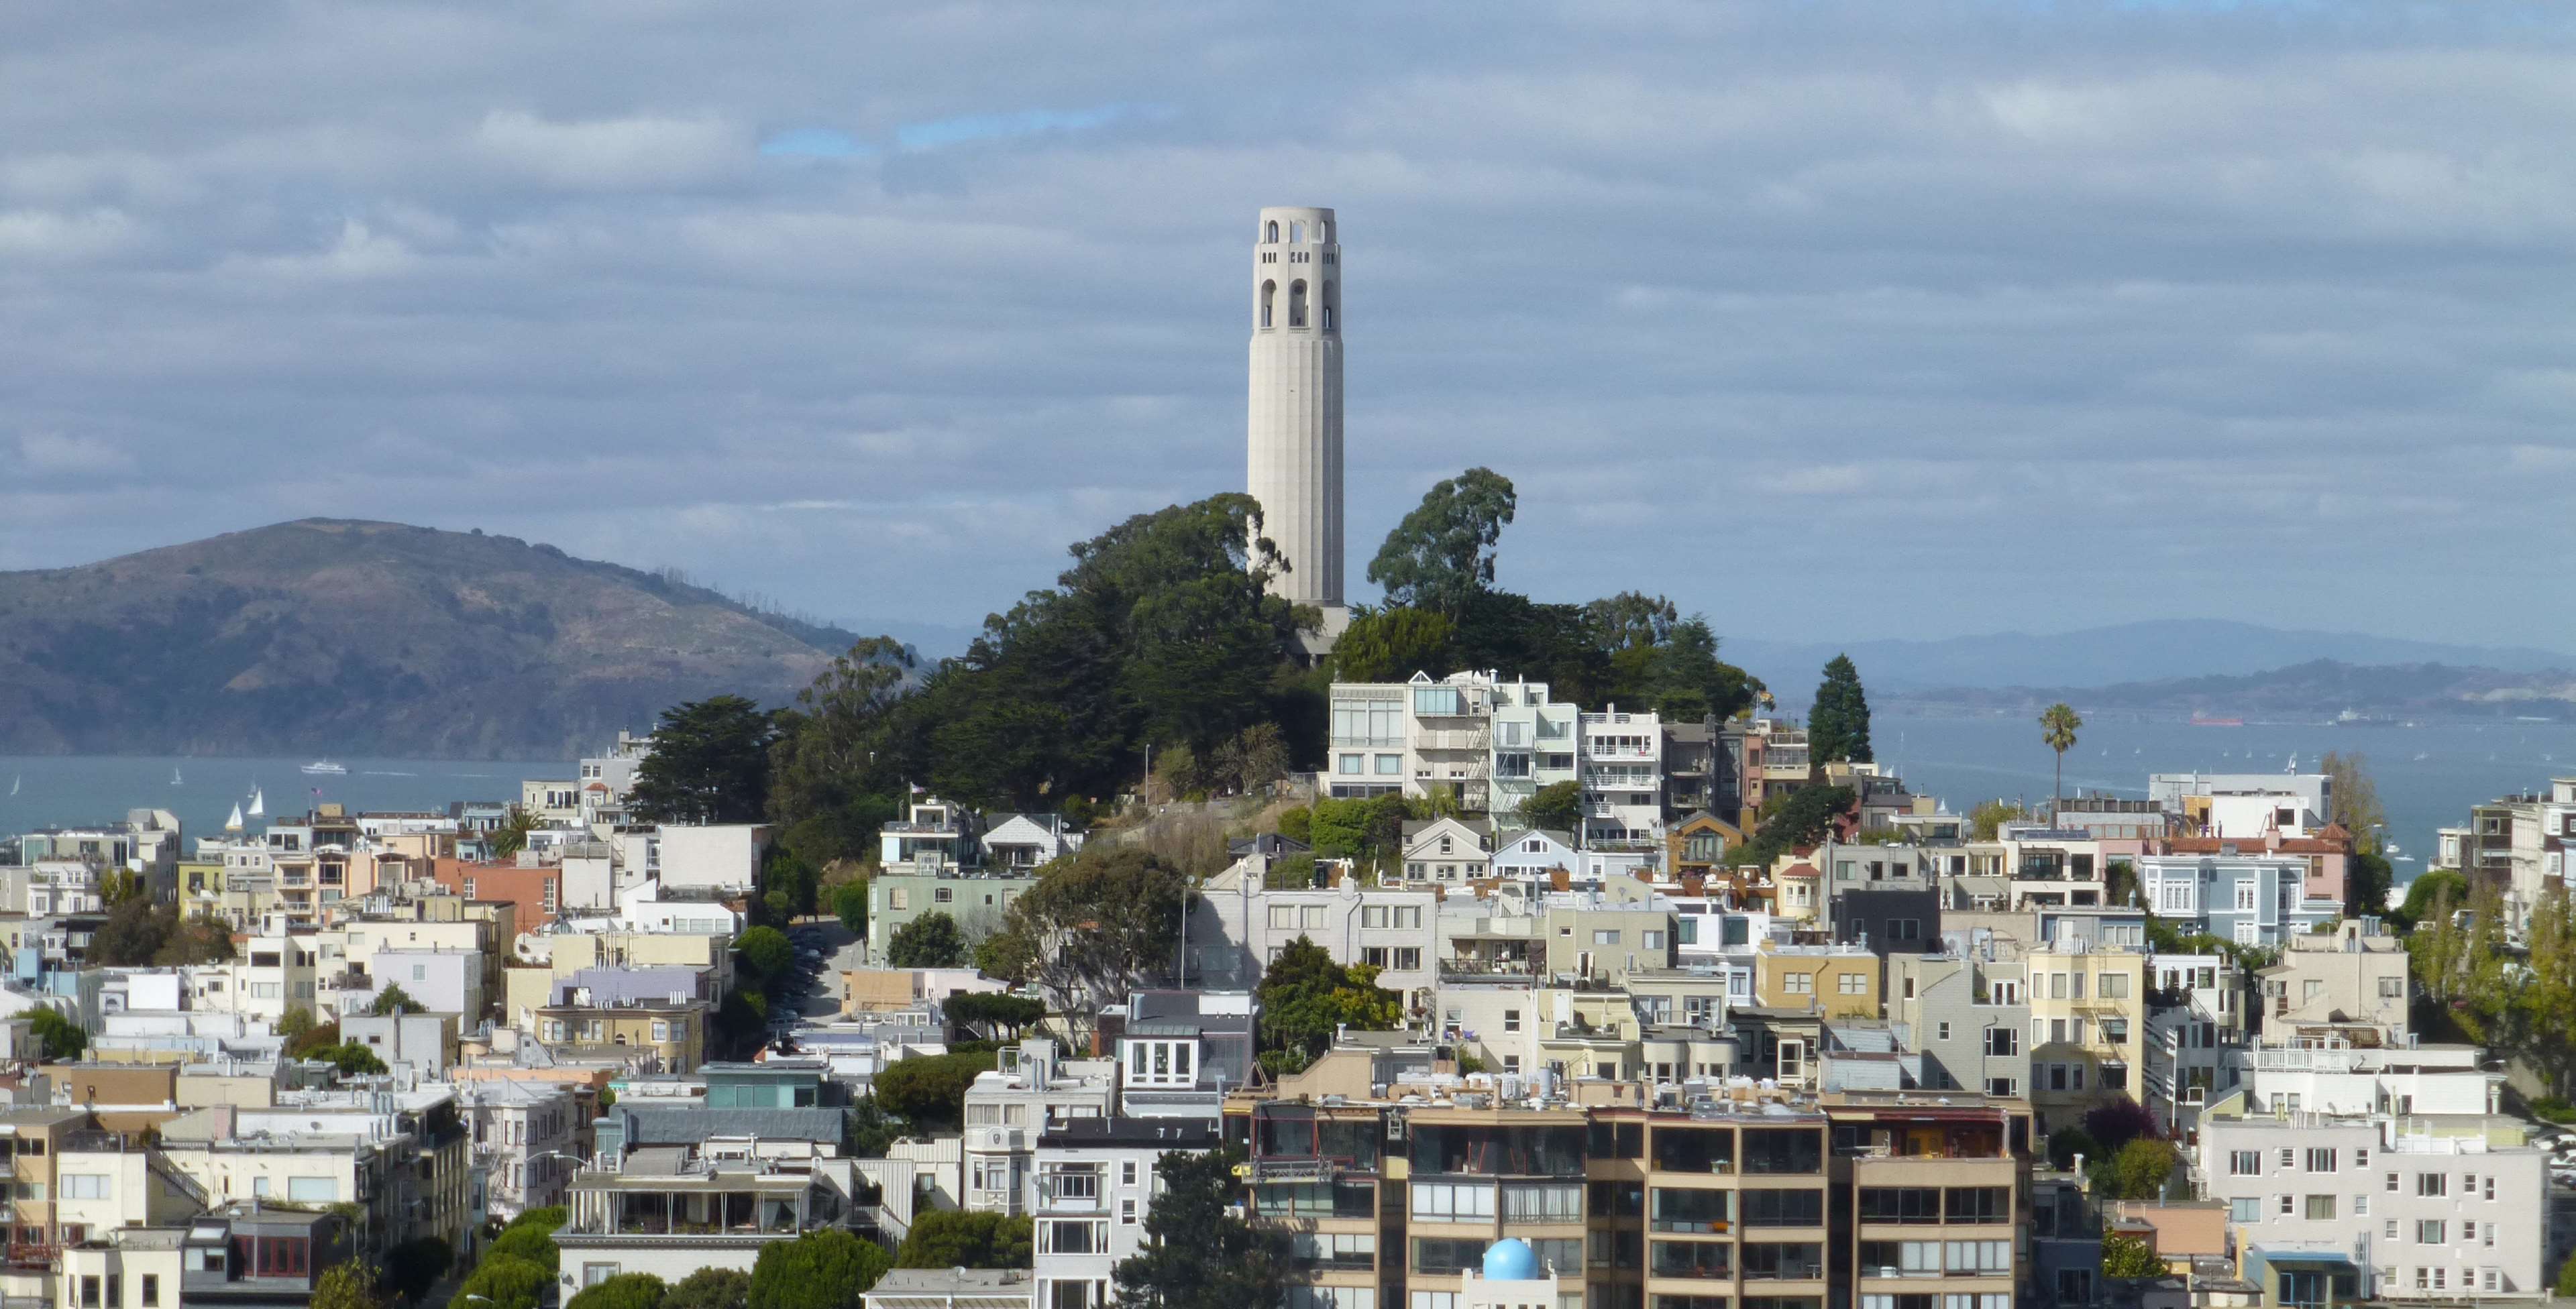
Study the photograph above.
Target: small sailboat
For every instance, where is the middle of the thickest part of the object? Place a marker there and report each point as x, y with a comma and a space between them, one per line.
14, 781
234, 823
174, 777
258, 805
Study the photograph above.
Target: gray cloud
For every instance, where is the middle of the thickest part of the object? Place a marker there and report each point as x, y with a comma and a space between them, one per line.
1838, 319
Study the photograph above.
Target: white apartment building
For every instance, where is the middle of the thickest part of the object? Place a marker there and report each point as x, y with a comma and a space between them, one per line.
2405, 1081
2425, 1216
1535, 743
2244, 804
1033, 1088
528, 1136
2195, 1050
1623, 781
1414, 737
1095, 1180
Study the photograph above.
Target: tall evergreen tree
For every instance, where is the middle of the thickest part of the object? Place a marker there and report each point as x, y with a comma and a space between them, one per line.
1196, 1255
1442, 555
710, 764
1838, 725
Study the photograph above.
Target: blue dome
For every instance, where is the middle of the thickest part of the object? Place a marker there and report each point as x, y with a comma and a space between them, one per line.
1511, 1260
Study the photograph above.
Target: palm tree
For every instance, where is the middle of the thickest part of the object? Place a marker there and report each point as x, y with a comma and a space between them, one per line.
2057, 726
512, 836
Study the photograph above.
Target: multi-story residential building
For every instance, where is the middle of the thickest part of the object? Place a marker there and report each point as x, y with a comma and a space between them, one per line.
2351, 983
1835, 981
1696, 844
1750, 1197
2244, 805
1178, 1051
2424, 1209
1032, 1088
1094, 1183
606, 780
1535, 743
661, 1032
2088, 1029
246, 1253
2251, 899
2328, 1077
1886, 898
1972, 1030
933, 863
2041, 864
671, 1210
1690, 768
2196, 1037
1415, 737
529, 1137
1623, 781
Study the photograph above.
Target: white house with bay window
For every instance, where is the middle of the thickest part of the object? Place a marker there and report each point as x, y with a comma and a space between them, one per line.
1095, 1180
1031, 1088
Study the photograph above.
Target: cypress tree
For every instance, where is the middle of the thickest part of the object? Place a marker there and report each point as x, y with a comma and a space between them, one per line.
1838, 726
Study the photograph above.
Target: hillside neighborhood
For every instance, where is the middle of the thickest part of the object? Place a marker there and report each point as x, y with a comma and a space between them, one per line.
1511, 990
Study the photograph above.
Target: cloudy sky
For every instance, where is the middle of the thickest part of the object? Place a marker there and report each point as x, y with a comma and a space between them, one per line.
1831, 319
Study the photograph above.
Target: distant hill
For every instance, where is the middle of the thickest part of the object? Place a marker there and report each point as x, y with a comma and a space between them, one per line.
348, 637
2104, 656
2309, 692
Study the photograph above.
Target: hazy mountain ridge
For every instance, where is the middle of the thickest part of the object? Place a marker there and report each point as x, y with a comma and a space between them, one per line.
2312, 691
355, 637
2123, 654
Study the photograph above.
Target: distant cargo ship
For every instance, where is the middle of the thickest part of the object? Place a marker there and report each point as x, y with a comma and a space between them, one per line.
321, 767
2204, 720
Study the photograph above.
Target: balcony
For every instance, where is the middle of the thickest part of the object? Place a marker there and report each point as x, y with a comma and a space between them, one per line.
1451, 739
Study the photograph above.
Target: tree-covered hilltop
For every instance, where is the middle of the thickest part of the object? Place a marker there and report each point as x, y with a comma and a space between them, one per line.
1162, 634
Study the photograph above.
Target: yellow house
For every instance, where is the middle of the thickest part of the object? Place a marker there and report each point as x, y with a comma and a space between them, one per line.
676, 1032
2088, 1029
1699, 844
1837, 981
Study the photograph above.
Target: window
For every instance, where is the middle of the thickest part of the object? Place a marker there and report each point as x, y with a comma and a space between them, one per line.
1352, 763
1943, 1028
2321, 1159
151, 1290
1980, 1258
2361, 1205
2245, 1209
1798, 983
1073, 1236
85, 1186
2003, 1042
2432, 1231
1127, 1213
2321, 1207
1511, 1020
2244, 1163
1853, 984
2289, 1205
1608, 937
1390, 765
1784, 1208
2288, 1157
2432, 1184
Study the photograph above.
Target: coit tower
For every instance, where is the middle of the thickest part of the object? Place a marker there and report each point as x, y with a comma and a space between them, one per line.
1294, 441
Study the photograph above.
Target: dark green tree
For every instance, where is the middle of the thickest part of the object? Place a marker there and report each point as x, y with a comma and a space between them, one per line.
507, 1280
1687, 682
133, 933
2067, 1142
930, 1090
873, 1131
997, 1015
1442, 554
710, 1288
197, 939
1198, 1254
832, 777
1555, 807
766, 951
1391, 645
2138, 1170
531, 1237
623, 1291
395, 1000
57, 1036
930, 941
2128, 1257
955, 1238
709, 764
1099, 925
850, 905
2117, 1121
1306, 998
1795, 822
414, 1266
354, 1060
829, 1269
1838, 725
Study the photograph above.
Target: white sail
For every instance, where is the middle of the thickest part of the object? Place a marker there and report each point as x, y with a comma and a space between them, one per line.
258, 804
234, 823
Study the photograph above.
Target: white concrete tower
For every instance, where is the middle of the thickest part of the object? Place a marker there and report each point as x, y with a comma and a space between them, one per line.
1295, 433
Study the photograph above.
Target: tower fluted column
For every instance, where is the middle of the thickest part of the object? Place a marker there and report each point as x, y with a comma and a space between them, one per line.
1294, 434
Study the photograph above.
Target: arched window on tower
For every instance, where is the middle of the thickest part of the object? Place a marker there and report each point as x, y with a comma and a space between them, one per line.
1297, 233
1269, 292
1297, 303
1272, 236
1332, 308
